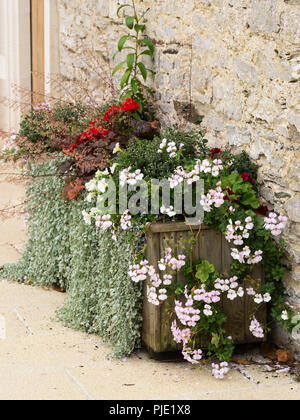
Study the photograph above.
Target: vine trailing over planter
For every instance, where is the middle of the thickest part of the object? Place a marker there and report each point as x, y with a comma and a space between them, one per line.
64, 252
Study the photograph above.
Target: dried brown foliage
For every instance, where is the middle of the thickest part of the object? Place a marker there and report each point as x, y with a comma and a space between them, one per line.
72, 189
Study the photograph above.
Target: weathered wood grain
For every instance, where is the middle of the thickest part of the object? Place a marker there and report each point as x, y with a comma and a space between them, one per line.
212, 246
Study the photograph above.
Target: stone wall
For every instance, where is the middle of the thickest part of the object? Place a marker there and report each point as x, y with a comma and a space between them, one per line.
232, 66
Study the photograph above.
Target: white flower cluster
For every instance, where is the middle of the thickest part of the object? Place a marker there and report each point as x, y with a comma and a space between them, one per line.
180, 336
104, 222
130, 178
276, 224
266, 298
192, 356
230, 286
201, 295
170, 147
156, 292
178, 177
175, 264
285, 315
186, 314
139, 272
126, 220
213, 198
245, 256
168, 210
97, 185
204, 166
207, 167
258, 297
256, 329
220, 371
237, 232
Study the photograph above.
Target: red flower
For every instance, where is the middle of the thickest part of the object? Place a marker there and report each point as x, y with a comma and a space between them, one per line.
95, 131
214, 152
129, 105
114, 110
227, 195
247, 177
262, 210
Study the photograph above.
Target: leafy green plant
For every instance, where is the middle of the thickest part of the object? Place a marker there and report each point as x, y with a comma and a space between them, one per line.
142, 154
243, 191
133, 81
204, 270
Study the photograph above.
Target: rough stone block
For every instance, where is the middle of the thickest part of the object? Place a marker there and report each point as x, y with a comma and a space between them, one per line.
264, 16
293, 208
238, 136
247, 73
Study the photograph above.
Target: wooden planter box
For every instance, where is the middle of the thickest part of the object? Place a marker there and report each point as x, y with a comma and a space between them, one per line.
212, 246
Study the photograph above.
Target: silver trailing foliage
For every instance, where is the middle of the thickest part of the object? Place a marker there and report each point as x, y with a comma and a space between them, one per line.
64, 251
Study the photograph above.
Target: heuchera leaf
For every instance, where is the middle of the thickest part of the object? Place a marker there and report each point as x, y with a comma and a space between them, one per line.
204, 270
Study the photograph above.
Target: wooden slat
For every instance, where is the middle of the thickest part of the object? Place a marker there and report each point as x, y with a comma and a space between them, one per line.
151, 313
168, 240
213, 247
210, 243
174, 227
256, 281
38, 51
234, 310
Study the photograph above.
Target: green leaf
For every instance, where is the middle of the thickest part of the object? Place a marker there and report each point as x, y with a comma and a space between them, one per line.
139, 28
130, 22
124, 48
249, 199
121, 7
215, 340
143, 70
136, 116
141, 105
118, 67
130, 60
204, 270
134, 86
122, 42
147, 52
125, 78
148, 43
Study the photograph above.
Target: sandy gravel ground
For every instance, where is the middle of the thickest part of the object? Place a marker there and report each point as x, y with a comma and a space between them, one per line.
42, 360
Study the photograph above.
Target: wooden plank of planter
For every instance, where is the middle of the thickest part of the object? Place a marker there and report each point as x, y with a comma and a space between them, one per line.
174, 227
151, 313
213, 247
257, 280
234, 310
